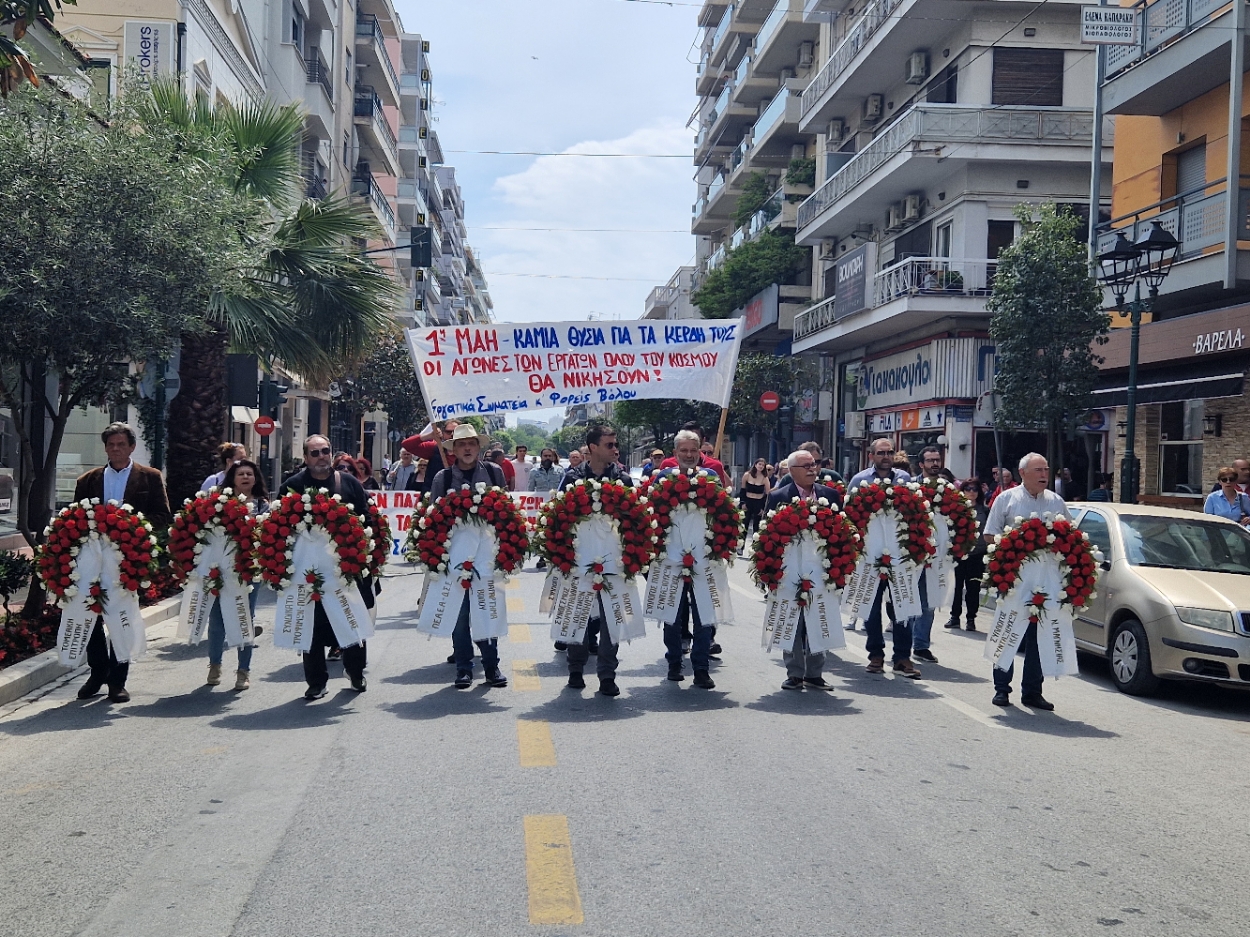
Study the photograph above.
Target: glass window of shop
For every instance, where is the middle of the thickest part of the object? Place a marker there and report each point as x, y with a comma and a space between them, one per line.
914, 442
1180, 448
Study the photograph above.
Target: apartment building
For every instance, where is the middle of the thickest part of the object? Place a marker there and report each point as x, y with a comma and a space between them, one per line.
1176, 150
933, 120
672, 300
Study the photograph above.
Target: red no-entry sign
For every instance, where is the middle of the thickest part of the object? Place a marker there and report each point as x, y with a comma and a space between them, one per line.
769, 401
264, 425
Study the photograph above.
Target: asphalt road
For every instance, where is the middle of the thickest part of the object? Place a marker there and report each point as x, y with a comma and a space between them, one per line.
890, 807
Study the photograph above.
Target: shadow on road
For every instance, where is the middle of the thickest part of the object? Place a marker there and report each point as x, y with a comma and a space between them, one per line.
450, 702
589, 705
805, 703
1041, 723
429, 675
74, 716
180, 651
291, 673
294, 714
202, 701
859, 681
1182, 696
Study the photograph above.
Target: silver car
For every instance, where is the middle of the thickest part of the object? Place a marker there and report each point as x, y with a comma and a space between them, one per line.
1173, 599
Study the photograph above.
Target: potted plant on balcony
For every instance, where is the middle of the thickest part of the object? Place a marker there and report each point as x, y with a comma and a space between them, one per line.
950, 280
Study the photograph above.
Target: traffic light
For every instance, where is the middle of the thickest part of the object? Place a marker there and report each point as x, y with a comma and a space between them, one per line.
272, 397
421, 247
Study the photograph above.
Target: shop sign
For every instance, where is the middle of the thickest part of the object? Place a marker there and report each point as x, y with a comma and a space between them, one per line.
963, 414
958, 368
886, 422
1108, 26
898, 378
1223, 340
925, 418
150, 46
761, 311
853, 276
805, 409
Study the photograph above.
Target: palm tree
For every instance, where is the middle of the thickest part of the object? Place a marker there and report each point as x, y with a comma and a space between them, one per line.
313, 303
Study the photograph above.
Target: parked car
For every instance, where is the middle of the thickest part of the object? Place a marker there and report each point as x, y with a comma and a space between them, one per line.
1173, 599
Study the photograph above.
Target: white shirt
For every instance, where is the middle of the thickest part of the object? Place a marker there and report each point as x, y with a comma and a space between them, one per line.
115, 482
1017, 502
522, 468
213, 481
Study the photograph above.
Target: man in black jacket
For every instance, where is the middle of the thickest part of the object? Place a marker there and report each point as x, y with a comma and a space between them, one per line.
317, 473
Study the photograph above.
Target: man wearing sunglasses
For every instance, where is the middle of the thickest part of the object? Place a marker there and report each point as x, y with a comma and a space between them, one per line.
319, 473
601, 463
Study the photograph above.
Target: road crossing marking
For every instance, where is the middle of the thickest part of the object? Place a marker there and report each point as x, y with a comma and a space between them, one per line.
534, 743
519, 634
516, 603
549, 873
525, 675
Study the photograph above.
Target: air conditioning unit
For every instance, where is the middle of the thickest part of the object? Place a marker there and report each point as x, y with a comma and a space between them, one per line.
855, 424
917, 68
911, 208
894, 218
807, 53
874, 107
828, 247
835, 130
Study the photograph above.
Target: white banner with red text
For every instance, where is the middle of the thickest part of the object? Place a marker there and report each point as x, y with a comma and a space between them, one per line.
399, 505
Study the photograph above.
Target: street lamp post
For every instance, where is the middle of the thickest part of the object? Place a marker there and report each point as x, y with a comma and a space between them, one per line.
1126, 264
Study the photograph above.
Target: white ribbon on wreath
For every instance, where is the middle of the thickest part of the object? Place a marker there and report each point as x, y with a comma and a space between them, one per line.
314, 552
572, 599
1041, 574
444, 592
99, 559
219, 550
939, 575
709, 578
802, 560
882, 539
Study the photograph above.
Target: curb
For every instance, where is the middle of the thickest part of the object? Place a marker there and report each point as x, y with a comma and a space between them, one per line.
21, 678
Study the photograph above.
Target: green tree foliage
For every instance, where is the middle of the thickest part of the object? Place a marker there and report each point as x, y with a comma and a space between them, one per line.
755, 192
771, 258
1047, 316
386, 380
568, 438
802, 171
15, 17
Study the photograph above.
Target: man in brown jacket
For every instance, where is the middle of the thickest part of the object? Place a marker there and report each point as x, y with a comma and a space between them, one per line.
143, 488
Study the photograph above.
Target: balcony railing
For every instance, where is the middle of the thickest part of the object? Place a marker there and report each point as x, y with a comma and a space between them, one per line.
1195, 218
368, 104
319, 72
1158, 25
775, 111
721, 29
875, 15
814, 319
367, 25
364, 186
315, 188
775, 19
942, 123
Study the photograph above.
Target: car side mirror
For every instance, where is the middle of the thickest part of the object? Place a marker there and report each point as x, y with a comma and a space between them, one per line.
1105, 565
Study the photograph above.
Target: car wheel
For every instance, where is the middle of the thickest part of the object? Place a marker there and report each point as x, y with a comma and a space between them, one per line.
1130, 660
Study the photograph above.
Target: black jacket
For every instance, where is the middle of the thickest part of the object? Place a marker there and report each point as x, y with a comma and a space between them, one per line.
352, 493
582, 471
782, 495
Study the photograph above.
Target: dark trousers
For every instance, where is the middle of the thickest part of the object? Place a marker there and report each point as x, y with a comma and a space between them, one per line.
1031, 683
105, 667
462, 645
875, 643
752, 511
701, 634
605, 657
323, 636
968, 588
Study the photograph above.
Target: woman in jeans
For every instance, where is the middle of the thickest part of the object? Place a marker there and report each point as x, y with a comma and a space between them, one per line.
969, 570
754, 494
245, 481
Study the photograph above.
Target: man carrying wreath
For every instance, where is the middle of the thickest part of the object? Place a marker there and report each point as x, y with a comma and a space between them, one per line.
468, 471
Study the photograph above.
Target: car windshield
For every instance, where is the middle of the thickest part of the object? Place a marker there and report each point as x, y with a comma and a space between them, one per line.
1184, 544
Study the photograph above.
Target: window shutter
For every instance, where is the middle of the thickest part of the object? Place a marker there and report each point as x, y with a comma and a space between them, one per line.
1028, 77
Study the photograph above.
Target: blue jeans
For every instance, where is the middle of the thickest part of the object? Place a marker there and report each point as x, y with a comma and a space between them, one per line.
875, 645
462, 645
217, 634
701, 641
1031, 682
922, 624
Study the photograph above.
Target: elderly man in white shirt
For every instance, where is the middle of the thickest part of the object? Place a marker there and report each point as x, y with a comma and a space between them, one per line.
1031, 496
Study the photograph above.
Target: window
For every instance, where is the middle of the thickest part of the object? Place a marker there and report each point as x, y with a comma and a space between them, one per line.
1095, 526
999, 235
1191, 169
942, 242
1028, 77
1180, 447
347, 72
942, 90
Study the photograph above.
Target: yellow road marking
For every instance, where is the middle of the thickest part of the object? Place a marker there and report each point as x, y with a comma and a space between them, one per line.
525, 675
549, 873
534, 742
215, 750
516, 603
519, 634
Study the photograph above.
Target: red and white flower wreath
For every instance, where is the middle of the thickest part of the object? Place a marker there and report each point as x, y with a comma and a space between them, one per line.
429, 538
190, 529
293, 513
692, 487
961, 520
120, 524
915, 526
1056, 535
837, 538
636, 523
380, 530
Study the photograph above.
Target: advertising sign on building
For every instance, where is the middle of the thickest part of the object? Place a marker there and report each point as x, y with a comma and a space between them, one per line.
944, 369
853, 275
150, 46
1109, 26
761, 311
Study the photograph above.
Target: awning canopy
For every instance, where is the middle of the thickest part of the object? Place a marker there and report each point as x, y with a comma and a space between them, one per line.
1203, 380
248, 416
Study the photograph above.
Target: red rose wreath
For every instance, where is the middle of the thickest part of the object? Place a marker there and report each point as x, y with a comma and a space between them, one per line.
839, 542
724, 518
191, 527
430, 534
961, 520
120, 524
295, 512
382, 542
915, 528
1059, 536
559, 517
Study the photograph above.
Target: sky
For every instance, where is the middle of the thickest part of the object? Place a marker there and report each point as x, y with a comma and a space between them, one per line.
567, 76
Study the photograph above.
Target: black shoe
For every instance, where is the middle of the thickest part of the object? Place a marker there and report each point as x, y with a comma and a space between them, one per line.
925, 654
90, 688
715, 649
121, 696
541, 564
451, 658
704, 680
464, 680
1001, 698
1038, 702
358, 682
562, 645
496, 678
953, 623
315, 692
576, 681
257, 631
792, 683
675, 674
818, 683
336, 653
971, 626
608, 687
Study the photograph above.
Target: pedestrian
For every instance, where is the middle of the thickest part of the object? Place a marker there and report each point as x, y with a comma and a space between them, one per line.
706, 460
824, 467
754, 496
1006, 481
547, 475
781, 477
245, 481
971, 568
127, 482
521, 469
468, 470
902, 463
364, 475
317, 473
402, 473
434, 444
346, 464
804, 667
1230, 501
652, 465
509, 473
1030, 497
922, 624
1103, 491
602, 449
227, 454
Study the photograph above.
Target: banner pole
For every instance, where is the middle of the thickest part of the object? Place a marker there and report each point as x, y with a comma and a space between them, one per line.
720, 431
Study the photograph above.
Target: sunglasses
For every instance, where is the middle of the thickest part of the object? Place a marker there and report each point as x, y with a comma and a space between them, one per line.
317, 452
1228, 478
611, 445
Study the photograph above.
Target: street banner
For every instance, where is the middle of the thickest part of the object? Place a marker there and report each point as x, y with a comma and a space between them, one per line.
398, 506
501, 368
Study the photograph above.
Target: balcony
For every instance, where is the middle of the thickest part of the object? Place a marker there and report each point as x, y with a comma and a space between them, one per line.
731, 36
371, 53
751, 89
712, 12
925, 289
712, 211
366, 189
374, 129
930, 142
414, 83
777, 42
777, 128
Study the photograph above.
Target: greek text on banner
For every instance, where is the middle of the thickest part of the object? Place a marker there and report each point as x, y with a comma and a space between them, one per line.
481, 369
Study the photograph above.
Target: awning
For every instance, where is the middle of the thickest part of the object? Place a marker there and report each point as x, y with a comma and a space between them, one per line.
248, 416
1203, 380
